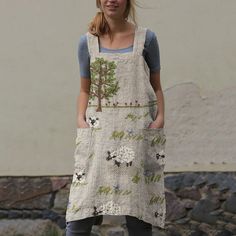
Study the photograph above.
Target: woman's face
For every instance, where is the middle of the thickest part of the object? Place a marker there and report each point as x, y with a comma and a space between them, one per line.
113, 8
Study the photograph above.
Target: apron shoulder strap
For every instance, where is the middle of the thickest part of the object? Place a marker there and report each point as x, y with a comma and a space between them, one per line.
141, 36
92, 42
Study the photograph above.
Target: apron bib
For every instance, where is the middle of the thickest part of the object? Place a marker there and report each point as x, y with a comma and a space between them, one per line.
119, 161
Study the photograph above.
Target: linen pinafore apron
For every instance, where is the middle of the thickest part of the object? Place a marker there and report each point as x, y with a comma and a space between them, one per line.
119, 161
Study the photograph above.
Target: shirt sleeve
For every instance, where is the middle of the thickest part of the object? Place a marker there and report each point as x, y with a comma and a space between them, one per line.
152, 52
84, 57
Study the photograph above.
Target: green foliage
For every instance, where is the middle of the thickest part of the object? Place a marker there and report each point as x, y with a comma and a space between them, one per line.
103, 81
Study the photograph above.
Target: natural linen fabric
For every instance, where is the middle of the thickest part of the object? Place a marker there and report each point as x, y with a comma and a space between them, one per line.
119, 161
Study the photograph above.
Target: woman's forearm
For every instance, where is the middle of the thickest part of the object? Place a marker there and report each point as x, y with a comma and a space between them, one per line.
156, 84
82, 103
160, 104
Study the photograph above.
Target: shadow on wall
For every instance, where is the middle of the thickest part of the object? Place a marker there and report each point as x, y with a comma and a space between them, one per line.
201, 132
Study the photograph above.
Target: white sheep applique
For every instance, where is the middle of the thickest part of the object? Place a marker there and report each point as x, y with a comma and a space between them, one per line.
93, 121
109, 208
80, 176
160, 156
123, 154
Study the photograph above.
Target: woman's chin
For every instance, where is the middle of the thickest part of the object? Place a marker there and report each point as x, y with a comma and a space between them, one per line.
113, 15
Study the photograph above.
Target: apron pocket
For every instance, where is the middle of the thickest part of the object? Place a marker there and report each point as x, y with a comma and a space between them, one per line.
153, 145
82, 130
81, 156
82, 142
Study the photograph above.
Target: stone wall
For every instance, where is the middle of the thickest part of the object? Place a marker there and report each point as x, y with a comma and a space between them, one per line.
198, 203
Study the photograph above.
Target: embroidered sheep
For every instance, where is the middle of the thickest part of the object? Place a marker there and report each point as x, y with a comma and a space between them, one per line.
160, 155
80, 176
121, 155
157, 214
108, 208
96, 212
93, 121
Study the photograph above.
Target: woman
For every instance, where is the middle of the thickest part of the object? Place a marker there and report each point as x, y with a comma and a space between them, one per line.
120, 143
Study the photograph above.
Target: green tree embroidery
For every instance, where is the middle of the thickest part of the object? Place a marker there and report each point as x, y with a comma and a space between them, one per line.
103, 81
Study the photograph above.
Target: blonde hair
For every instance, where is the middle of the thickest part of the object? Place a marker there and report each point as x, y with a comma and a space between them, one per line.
99, 25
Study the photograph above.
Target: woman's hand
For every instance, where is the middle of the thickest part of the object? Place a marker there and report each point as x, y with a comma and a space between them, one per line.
158, 123
82, 124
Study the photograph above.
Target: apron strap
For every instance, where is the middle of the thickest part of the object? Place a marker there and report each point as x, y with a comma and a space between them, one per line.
92, 42
138, 46
140, 40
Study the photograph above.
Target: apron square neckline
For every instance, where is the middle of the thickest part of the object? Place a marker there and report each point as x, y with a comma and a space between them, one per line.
125, 54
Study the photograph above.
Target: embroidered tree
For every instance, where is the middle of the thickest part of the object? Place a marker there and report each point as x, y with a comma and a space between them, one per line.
103, 81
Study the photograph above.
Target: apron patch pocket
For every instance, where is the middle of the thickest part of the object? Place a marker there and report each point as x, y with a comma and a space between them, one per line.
153, 145
83, 142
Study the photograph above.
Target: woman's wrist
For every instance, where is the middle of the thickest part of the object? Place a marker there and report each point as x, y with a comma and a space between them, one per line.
81, 117
159, 121
160, 116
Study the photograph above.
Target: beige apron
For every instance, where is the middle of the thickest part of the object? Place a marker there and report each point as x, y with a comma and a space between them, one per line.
119, 161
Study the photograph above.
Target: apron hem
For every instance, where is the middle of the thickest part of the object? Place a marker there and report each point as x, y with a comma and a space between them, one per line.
86, 212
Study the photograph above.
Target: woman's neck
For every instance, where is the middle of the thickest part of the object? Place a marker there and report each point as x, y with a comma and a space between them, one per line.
118, 27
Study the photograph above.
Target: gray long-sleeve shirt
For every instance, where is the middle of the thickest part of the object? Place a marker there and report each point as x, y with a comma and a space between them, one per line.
151, 53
